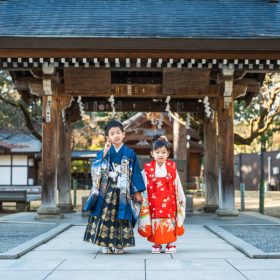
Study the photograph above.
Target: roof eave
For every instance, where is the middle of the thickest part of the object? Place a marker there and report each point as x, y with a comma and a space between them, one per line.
20, 46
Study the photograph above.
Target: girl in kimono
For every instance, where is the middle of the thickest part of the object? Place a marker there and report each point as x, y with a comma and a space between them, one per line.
117, 184
163, 208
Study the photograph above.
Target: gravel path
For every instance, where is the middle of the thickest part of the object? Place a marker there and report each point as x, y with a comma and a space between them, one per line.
264, 237
12, 235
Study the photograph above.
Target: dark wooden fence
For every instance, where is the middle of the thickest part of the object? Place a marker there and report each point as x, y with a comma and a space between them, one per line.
250, 169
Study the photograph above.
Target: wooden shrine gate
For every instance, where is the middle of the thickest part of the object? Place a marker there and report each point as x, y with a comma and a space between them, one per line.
138, 84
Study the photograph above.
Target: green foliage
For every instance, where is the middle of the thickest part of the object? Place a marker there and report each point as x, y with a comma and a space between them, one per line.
14, 112
261, 117
10, 116
89, 132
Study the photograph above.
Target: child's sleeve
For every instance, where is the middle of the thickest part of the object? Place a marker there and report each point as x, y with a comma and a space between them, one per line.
144, 177
137, 182
144, 221
180, 191
181, 205
99, 155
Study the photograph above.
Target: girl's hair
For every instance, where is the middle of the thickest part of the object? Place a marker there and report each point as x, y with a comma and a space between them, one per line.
112, 124
158, 142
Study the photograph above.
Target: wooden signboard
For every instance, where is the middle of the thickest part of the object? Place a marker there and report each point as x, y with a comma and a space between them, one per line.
186, 82
175, 82
87, 81
137, 90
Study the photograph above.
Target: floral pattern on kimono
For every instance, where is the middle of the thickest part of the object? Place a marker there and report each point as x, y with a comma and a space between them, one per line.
159, 224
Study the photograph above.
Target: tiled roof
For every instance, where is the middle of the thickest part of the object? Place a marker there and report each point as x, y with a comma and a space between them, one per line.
140, 18
19, 142
80, 154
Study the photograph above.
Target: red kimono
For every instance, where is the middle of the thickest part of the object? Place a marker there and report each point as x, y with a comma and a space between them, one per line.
163, 209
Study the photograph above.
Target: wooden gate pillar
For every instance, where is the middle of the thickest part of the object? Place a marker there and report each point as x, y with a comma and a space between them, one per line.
49, 157
179, 149
211, 164
226, 148
64, 157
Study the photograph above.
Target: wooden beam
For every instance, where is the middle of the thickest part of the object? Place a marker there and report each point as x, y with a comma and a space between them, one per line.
259, 48
142, 105
153, 91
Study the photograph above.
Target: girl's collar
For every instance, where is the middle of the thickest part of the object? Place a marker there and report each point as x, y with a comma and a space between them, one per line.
160, 166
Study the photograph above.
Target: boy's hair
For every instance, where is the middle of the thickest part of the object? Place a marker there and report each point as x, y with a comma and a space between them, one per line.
158, 142
112, 124
156, 137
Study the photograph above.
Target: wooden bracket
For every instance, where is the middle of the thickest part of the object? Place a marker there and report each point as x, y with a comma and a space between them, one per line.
36, 89
48, 71
47, 86
65, 102
228, 85
48, 68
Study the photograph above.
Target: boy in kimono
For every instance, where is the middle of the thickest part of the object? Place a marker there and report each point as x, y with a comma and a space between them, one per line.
163, 209
117, 183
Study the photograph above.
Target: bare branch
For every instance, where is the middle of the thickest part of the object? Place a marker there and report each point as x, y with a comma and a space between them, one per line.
27, 117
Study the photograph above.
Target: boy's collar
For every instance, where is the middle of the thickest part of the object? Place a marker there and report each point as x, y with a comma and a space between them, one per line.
117, 149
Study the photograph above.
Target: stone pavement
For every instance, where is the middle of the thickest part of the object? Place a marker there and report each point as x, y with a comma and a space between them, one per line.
201, 255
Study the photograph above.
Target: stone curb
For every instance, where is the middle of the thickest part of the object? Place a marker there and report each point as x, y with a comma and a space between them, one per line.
262, 216
241, 245
15, 218
29, 245
14, 215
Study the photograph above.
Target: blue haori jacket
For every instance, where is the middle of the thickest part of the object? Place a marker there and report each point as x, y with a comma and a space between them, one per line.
121, 167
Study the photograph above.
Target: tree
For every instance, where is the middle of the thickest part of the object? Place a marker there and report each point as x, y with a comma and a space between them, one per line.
15, 113
88, 133
262, 116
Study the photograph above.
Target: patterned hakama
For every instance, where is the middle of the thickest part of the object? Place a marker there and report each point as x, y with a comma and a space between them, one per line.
115, 179
107, 230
